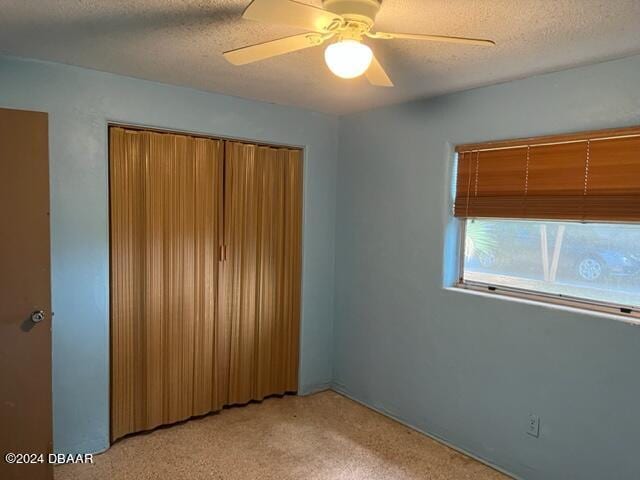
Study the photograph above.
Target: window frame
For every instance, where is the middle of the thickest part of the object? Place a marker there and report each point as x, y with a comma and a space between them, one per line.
544, 298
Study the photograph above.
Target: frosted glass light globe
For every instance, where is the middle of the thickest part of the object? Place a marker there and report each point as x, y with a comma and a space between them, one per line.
348, 58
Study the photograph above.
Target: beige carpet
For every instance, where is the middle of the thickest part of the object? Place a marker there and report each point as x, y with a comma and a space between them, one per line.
323, 436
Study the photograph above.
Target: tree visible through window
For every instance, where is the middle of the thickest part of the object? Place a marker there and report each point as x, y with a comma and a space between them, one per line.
594, 261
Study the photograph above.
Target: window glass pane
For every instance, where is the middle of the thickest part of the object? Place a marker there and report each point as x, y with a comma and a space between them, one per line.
592, 261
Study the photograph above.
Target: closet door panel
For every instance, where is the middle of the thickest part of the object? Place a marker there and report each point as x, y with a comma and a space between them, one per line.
150, 350
208, 238
165, 204
270, 306
292, 274
241, 204
262, 271
178, 272
127, 270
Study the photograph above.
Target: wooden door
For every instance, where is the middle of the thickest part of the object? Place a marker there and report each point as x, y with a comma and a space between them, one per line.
191, 330
262, 272
25, 287
166, 201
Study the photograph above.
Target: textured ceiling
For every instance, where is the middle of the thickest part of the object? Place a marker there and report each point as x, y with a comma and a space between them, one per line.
180, 42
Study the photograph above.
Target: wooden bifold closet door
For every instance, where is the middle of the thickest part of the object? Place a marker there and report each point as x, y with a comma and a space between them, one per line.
261, 290
205, 275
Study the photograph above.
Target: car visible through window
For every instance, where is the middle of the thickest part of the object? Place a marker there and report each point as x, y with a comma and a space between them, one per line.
596, 262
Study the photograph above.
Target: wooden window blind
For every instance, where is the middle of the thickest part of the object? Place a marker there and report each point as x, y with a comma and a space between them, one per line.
590, 176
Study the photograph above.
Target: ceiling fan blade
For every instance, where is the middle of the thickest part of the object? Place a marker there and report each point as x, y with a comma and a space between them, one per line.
434, 38
294, 14
261, 51
376, 74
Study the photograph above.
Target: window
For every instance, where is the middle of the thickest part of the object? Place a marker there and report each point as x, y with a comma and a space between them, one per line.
594, 262
557, 218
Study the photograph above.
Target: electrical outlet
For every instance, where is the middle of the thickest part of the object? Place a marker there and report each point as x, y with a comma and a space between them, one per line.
533, 427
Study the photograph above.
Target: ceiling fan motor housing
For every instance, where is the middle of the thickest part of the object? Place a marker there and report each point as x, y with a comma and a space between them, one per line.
363, 11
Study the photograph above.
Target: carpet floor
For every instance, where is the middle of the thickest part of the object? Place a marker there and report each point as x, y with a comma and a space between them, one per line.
320, 437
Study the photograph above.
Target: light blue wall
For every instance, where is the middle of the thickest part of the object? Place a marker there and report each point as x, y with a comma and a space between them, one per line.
79, 103
465, 368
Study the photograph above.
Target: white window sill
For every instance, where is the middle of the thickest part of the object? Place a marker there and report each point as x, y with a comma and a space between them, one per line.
530, 299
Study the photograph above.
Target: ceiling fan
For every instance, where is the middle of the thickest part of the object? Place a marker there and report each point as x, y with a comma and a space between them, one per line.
345, 22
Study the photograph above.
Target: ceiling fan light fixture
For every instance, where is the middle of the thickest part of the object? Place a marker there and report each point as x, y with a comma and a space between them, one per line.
345, 21
348, 58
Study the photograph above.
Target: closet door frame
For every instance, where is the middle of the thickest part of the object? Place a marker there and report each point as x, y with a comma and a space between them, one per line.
212, 136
